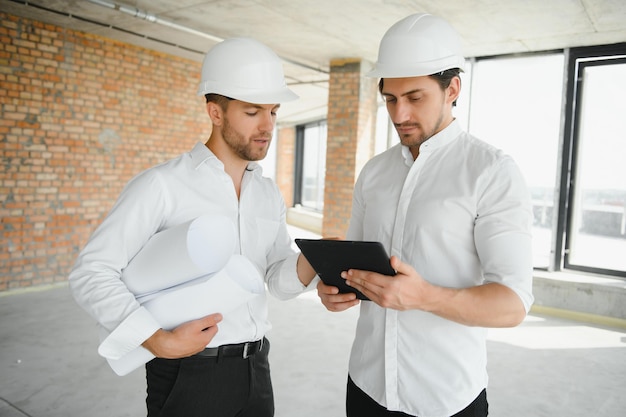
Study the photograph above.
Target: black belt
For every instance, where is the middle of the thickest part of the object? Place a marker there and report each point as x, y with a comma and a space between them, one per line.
240, 350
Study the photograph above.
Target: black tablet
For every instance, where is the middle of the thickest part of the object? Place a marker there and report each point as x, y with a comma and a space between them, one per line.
330, 257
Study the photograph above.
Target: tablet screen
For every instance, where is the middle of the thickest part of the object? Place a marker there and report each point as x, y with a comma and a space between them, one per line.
330, 257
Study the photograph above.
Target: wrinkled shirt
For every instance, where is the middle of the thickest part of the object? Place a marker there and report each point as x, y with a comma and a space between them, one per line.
461, 215
170, 194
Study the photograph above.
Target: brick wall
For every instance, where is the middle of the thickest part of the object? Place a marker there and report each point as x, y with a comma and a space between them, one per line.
351, 130
285, 162
80, 115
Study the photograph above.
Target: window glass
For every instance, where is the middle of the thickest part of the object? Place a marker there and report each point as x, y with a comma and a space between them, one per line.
597, 231
516, 106
386, 134
314, 166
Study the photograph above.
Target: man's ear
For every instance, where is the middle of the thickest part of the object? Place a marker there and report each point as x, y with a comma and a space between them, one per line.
454, 89
215, 113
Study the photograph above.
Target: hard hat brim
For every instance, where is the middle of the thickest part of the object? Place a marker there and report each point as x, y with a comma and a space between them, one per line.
276, 96
416, 70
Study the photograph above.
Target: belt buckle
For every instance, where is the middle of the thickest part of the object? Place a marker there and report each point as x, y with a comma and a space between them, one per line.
245, 350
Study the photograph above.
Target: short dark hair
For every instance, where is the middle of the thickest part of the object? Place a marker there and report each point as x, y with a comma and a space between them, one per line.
443, 78
219, 99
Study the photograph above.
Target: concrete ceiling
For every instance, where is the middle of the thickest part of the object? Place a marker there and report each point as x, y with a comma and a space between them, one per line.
308, 34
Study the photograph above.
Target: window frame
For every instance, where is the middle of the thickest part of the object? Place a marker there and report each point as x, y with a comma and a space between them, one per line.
299, 161
576, 60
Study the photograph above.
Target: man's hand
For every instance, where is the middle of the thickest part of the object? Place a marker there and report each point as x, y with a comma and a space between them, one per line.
406, 290
187, 339
487, 305
334, 301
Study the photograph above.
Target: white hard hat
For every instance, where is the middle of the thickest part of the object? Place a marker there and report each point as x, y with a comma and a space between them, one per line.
246, 70
420, 44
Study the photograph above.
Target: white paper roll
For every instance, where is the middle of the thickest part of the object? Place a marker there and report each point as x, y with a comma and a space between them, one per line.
232, 286
181, 253
229, 288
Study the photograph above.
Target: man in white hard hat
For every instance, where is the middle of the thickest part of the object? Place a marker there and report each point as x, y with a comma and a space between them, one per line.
200, 370
455, 215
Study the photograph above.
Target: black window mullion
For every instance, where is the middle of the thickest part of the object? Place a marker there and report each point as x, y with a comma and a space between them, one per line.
299, 156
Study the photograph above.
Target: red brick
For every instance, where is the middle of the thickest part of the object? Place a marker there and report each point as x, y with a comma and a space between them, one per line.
60, 180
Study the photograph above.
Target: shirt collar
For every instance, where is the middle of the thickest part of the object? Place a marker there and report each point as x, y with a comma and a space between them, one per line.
201, 154
439, 140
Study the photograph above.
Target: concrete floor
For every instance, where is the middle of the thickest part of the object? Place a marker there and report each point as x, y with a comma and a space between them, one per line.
545, 367
548, 367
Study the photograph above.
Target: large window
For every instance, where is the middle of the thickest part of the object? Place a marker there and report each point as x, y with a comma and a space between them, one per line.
561, 117
386, 134
595, 219
516, 106
310, 165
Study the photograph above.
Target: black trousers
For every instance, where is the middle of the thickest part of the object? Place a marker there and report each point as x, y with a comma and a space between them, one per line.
210, 387
359, 404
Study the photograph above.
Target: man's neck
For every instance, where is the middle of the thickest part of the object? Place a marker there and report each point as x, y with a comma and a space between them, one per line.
234, 166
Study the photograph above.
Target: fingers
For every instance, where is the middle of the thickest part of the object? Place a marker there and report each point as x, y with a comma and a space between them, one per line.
207, 335
326, 289
340, 302
208, 326
395, 262
333, 300
195, 335
209, 321
373, 285
364, 280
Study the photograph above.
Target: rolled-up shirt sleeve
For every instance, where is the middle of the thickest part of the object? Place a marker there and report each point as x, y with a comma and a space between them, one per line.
282, 278
283, 285
502, 231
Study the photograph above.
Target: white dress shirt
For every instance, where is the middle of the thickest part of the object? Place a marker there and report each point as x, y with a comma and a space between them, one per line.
167, 195
460, 214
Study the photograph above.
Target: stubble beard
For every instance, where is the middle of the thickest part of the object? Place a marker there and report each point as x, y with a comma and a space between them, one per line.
241, 146
415, 141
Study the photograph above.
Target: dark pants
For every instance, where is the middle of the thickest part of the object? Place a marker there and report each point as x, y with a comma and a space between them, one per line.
359, 404
210, 387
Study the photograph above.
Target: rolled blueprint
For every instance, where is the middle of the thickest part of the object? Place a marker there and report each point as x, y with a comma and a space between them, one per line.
181, 253
237, 283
